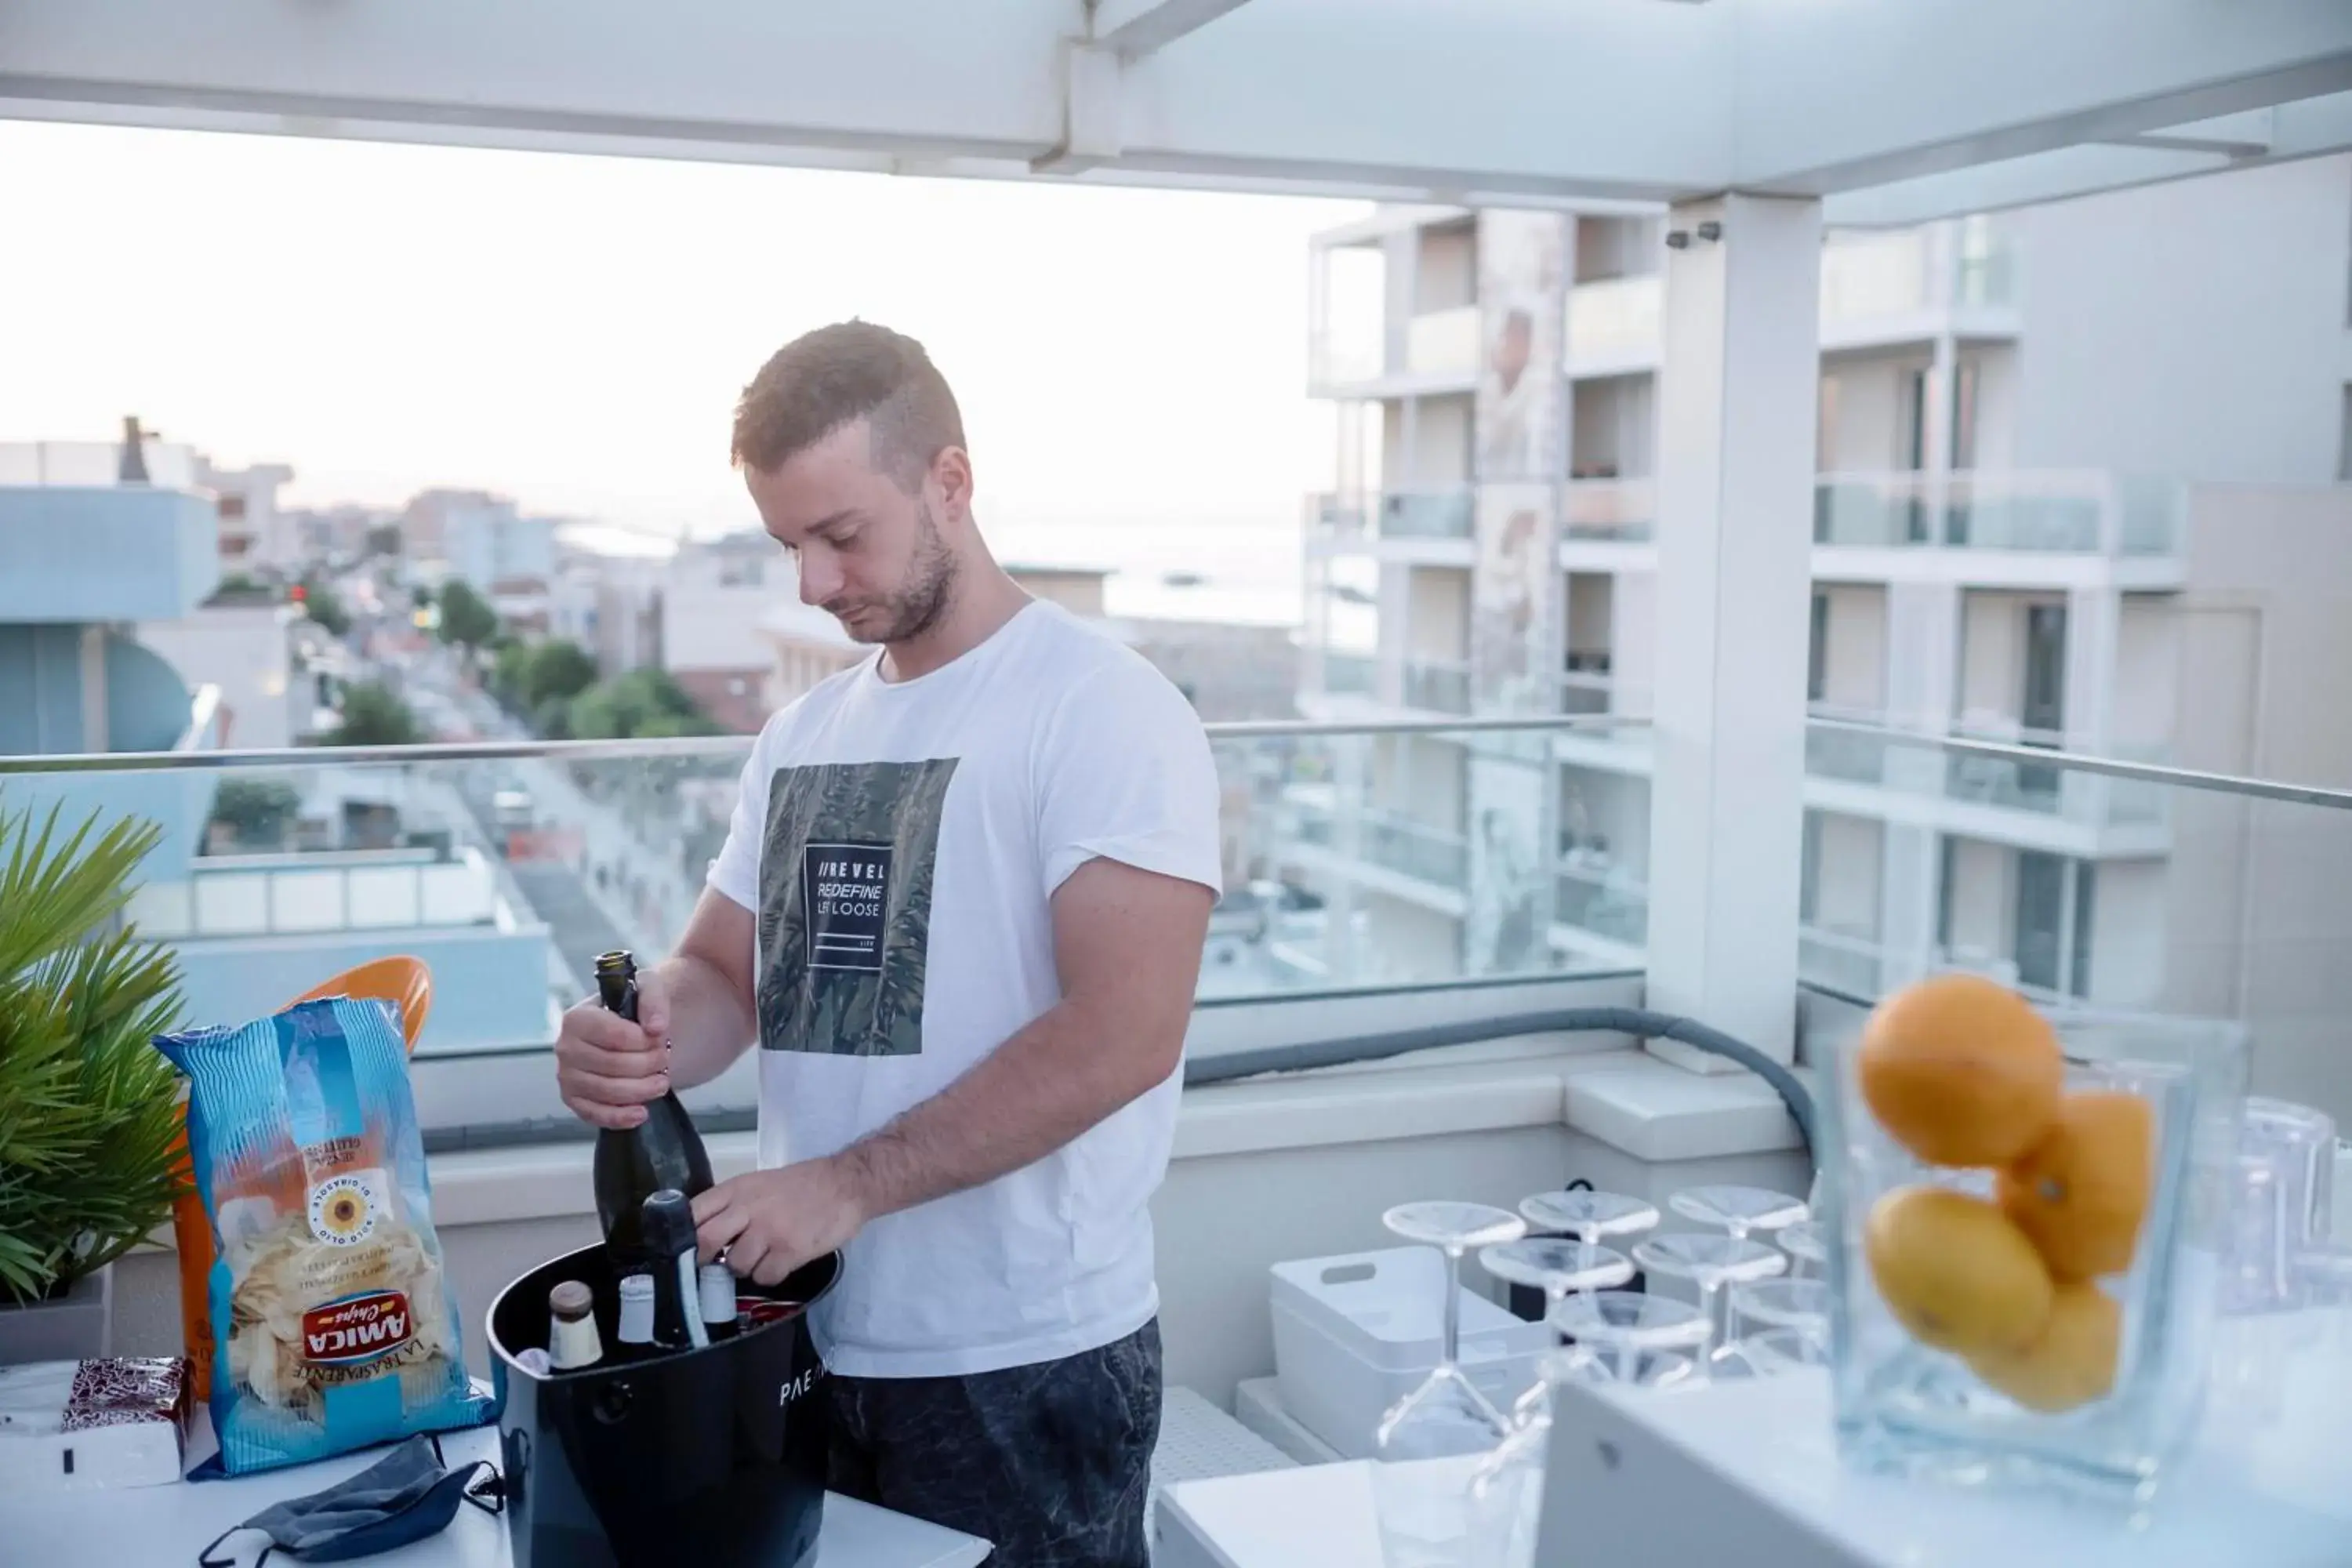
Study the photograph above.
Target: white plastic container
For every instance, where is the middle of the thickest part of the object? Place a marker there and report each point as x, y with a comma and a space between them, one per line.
1353, 1334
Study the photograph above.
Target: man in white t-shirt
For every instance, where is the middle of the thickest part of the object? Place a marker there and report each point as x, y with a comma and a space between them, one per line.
961, 910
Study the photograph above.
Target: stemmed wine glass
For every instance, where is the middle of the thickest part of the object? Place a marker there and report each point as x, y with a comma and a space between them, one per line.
1739, 1210
1711, 1262
1555, 1267
1639, 1333
1425, 1509
1588, 1216
1807, 1247
1799, 1304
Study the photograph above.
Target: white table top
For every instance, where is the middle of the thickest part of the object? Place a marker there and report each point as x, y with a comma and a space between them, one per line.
2270, 1482
167, 1526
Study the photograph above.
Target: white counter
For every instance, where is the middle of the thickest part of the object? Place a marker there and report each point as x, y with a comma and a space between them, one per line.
1748, 1473
168, 1525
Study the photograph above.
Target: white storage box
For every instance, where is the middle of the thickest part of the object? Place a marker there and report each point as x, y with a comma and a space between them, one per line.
1354, 1334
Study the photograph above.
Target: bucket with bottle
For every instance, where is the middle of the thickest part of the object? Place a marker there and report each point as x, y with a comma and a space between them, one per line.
657, 1411
713, 1456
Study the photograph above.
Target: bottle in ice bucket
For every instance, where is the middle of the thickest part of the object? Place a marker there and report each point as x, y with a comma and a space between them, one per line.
717, 1294
634, 1163
572, 1339
667, 1223
637, 1330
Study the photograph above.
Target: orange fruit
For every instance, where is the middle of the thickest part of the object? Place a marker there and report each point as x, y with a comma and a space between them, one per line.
2072, 1361
2082, 1191
1955, 1272
1960, 1070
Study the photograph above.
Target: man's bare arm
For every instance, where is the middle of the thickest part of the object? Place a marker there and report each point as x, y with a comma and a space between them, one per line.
1127, 945
706, 1007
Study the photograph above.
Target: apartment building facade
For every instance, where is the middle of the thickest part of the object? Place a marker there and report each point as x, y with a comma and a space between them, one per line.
2076, 488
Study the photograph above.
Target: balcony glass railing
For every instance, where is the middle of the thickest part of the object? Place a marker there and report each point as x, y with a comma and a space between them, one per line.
1398, 514
1437, 686
1600, 902
1351, 674
506, 867
2035, 510
1443, 342
1615, 317
1618, 509
1851, 747
1414, 848
1870, 275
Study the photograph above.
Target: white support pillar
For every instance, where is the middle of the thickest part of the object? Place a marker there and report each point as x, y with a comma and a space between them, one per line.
1738, 392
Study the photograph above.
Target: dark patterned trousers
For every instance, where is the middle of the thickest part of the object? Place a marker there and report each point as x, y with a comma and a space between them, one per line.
1052, 1462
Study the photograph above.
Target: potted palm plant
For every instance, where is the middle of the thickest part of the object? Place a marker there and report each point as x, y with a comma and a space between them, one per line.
89, 1114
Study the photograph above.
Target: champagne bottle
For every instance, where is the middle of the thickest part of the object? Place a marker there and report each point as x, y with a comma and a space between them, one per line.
668, 1226
635, 1332
634, 1163
572, 1339
719, 1306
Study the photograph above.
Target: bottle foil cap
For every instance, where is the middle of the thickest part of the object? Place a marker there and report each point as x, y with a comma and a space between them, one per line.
718, 1292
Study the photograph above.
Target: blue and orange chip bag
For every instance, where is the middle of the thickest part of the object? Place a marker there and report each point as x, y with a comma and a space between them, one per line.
334, 1323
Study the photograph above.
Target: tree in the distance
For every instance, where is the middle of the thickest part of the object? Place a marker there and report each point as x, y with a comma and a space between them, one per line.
373, 715
321, 603
256, 811
466, 619
643, 702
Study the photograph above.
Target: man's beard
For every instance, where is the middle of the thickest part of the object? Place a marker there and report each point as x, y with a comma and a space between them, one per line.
918, 608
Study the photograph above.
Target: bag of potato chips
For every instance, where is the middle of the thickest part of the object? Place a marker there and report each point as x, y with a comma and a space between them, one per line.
333, 1325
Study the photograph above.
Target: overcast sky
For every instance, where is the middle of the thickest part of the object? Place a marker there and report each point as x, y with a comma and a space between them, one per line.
573, 330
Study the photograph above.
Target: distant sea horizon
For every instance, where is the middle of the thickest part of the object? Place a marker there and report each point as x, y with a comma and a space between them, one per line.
1230, 569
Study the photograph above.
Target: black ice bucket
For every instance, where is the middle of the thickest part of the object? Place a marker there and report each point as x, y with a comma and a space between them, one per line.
714, 1458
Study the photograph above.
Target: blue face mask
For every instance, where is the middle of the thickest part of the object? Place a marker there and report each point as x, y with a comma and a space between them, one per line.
406, 1496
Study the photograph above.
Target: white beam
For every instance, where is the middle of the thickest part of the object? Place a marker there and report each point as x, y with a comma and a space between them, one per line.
1839, 94
1737, 398
1134, 28
1481, 100
2311, 129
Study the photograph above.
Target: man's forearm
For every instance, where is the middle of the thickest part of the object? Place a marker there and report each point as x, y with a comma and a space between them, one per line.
1032, 1095
708, 1023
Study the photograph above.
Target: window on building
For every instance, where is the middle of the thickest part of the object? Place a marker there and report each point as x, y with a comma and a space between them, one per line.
2343, 442
2044, 712
1809, 884
1915, 418
231, 508
2041, 918
1817, 652
2085, 886
1964, 413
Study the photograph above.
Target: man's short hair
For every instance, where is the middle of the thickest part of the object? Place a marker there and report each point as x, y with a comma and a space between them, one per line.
835, 376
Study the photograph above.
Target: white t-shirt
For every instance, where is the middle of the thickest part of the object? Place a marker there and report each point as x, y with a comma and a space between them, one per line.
899, 843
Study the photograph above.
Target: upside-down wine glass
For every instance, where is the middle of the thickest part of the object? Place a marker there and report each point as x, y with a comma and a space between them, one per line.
1424, 1509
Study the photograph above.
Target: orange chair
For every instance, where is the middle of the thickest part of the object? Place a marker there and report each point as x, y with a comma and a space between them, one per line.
405, 982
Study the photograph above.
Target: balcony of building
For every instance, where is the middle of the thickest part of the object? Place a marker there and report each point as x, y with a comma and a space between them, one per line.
1432, 525
2028, 527
1393, 309
1878, 289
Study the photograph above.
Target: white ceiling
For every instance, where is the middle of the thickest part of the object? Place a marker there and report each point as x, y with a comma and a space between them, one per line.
1893, 109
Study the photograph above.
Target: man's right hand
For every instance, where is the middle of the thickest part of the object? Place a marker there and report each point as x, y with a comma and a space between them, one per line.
608, 1068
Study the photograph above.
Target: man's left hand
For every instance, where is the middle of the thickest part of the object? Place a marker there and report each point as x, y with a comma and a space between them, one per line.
769, 1223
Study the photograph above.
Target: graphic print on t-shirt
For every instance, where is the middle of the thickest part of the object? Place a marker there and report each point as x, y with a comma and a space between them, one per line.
846, 871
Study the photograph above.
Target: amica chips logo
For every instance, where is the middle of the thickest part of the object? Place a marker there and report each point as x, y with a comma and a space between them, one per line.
356, 1328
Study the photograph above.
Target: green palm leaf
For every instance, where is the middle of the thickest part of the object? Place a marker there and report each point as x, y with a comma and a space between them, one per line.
88, 1110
